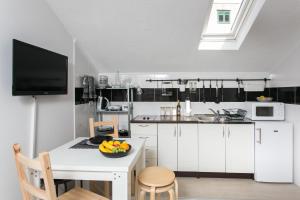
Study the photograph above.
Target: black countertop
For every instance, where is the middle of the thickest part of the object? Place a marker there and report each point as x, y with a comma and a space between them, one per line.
183, 119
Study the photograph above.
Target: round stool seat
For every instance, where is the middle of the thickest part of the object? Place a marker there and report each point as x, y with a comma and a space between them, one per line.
156, 177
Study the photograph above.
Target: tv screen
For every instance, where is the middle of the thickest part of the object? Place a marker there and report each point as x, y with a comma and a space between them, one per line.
37, 71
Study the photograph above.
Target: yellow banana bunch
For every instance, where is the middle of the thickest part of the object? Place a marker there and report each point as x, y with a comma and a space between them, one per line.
103, 149
108, 145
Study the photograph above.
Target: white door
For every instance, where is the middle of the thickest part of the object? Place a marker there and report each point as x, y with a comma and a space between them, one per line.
211, 147
167, 146
274, 152
240, 148
187, 147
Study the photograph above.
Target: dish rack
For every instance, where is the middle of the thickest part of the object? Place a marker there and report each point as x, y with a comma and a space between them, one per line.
235, 114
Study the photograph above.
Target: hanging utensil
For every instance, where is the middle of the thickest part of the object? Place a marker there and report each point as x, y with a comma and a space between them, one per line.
222, 91
210, 90
203, 97
217, 93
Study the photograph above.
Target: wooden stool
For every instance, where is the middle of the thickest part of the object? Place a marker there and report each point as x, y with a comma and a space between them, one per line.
157, 180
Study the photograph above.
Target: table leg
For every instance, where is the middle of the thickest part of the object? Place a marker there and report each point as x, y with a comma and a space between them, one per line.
121, 186
140, 165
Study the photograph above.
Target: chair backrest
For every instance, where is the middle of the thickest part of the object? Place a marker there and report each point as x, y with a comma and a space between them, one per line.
113, 123
42, 164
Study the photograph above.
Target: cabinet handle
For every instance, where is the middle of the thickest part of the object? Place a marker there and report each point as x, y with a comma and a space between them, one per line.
180, 131
175, 132
259, 136
223, 132
146, 125
144, 138
228, 132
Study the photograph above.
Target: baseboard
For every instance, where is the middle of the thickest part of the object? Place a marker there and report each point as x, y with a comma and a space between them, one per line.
214, 175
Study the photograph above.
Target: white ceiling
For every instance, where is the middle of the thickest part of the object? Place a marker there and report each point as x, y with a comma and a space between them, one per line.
163, 35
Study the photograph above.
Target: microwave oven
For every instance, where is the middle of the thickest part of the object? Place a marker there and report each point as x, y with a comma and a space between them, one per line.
267, 111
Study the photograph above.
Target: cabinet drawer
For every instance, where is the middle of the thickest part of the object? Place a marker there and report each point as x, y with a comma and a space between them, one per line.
151, 152
151, 162
151, 141
144, 129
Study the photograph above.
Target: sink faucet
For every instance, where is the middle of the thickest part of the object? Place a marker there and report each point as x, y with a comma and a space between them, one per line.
216, 113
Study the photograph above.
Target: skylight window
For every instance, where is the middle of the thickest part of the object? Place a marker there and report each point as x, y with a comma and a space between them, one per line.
228, 23
224, 16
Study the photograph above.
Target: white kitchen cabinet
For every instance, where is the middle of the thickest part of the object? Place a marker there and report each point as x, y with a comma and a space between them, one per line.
148, 132
211, 147
240, 148
167, 146
226, 148
187, 147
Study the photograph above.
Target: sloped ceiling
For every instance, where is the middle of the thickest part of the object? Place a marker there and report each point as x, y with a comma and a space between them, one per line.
163, 35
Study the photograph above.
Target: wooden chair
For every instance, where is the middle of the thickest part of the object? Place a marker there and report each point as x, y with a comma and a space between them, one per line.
113, 123
156, 180
42, 164
94, 185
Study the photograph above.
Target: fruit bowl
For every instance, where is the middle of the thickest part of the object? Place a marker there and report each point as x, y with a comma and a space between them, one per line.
114, 148
264, 99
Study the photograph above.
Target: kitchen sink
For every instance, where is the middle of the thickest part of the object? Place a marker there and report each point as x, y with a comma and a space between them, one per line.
210, 118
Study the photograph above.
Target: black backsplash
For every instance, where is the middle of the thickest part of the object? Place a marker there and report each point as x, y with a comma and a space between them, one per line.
289, 95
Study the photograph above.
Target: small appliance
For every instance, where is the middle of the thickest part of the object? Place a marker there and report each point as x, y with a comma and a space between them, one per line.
102, 103
267, 111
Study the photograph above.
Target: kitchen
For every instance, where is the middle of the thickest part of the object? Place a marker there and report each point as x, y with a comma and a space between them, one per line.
136, 99
240, 126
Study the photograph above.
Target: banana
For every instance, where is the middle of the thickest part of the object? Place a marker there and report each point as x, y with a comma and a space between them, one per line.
108, 146
103, 149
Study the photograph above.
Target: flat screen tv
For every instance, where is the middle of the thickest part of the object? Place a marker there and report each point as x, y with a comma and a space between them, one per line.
37, 71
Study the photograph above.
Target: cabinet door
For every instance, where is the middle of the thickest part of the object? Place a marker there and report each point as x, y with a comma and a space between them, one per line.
211, 147
187, 147
167, 146
240, 148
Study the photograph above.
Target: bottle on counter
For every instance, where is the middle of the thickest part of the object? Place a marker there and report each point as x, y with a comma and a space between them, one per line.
178, 109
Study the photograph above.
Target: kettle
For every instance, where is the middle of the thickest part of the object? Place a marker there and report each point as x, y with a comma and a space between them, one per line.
102, 103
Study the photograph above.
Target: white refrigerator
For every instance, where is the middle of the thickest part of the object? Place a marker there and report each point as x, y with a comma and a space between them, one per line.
274, 152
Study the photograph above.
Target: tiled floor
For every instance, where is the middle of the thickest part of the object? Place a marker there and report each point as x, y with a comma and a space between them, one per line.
235, 189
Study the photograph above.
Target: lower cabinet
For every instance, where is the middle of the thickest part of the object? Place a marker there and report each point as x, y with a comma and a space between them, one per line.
187, 147
240, 148
147, 132
178, 146
167, 145
226, 148
211, 148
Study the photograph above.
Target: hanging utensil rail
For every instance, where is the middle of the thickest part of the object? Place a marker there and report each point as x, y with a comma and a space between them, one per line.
238, 80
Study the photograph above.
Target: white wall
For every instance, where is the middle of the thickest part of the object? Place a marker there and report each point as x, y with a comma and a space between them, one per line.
287, 71
286, 75
31, 21
292, 115
83, 66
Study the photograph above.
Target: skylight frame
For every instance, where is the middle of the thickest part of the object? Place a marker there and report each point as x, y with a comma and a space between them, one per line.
246, 16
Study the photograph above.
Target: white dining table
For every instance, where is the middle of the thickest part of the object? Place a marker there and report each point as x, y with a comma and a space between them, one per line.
90, 164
